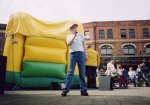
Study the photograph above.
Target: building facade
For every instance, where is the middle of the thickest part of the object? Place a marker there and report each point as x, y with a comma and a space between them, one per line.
2, 37
126, 41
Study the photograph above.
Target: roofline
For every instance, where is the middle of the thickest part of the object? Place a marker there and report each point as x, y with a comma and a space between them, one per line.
116, 21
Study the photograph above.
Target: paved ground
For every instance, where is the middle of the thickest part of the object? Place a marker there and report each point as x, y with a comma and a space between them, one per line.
131, 96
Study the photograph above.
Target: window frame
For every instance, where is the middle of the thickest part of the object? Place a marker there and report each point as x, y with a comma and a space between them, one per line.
102, 34
123, 33
106, 48
145, 31
132, 33
147, 47
129, 50
110, 32
85, 35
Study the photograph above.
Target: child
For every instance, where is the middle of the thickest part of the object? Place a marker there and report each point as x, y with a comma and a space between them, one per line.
125, 78
120, 72
132, 75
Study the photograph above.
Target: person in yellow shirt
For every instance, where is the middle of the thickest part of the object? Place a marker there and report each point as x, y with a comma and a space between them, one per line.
92, 64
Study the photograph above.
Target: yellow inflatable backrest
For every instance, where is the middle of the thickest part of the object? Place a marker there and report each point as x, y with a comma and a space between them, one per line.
46, 42
45, 50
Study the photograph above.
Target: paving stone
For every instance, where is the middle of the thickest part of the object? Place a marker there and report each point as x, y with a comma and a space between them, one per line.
46, 97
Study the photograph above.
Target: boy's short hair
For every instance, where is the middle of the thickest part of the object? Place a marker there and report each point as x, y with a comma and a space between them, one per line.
73, 25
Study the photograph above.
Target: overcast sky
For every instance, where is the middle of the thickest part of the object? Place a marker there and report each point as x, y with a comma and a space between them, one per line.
82, 10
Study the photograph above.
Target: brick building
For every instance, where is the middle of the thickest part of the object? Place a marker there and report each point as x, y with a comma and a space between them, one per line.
126, 41
2, 37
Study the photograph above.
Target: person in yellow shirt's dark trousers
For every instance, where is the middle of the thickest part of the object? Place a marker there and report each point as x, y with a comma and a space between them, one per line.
92, 64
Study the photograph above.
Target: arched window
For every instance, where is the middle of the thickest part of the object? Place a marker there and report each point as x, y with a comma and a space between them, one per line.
106, 50
128, 50
147, 49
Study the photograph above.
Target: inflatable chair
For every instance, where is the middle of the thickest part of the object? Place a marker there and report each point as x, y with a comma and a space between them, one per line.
37, 53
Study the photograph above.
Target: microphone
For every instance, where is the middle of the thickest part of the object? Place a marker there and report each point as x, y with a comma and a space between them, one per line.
76, 32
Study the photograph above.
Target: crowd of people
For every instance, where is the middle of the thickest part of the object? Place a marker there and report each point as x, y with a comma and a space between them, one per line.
138, 76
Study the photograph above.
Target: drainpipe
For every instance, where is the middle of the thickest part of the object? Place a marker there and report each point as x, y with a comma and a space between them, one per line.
95, 35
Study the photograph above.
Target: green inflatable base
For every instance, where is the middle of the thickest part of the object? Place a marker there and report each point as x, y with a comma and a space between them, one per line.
35, 82
43, 69
12, 77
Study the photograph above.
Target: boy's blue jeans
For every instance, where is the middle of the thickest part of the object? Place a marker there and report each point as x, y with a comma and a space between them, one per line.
79, 58
133, 80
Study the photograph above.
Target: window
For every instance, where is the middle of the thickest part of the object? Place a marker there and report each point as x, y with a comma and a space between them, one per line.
147, 49
128, 50
101, 34
131, 33
110, 33
87, 34
106, 50
123, 33
145, 32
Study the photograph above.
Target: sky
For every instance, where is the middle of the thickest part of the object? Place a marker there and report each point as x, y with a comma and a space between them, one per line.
81, 10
